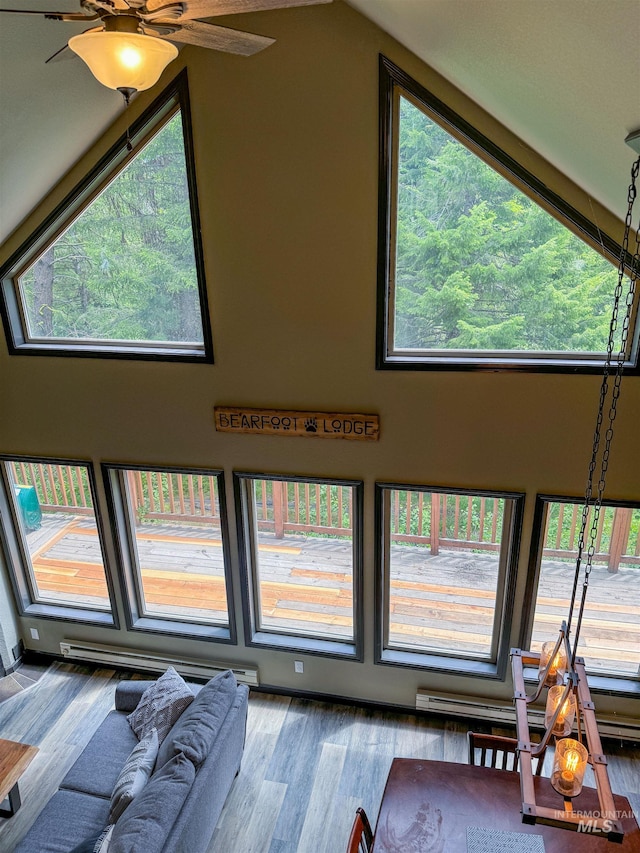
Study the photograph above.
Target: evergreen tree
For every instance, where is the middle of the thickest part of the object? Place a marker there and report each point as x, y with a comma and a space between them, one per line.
125, 268
479, 265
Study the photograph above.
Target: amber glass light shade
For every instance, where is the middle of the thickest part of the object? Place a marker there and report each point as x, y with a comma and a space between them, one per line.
558, 664
566, 715
124, 60
569, 765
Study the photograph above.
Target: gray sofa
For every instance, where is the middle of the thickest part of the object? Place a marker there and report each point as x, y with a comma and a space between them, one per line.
177, 810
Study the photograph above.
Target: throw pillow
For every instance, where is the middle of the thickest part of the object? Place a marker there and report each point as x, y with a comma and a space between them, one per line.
146, 824
160, 705
97, 844
134, 774
197, 729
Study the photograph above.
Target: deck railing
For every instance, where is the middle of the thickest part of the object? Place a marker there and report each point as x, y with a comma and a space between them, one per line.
432, 519
292, 507
614, 541
167, 496
439, 520
57, 486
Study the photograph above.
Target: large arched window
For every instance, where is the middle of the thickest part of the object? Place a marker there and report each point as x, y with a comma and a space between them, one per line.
117, 269
481, 265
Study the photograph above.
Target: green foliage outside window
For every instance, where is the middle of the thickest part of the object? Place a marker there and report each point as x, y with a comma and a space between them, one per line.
563, 530
479, 265
125, 268
56, 485
411, 515
158, 497
312, 501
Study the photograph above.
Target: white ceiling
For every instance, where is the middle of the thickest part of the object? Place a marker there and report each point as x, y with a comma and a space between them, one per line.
562, 74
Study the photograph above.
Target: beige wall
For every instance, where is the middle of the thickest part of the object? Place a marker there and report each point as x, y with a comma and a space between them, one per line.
9, 627
286, 150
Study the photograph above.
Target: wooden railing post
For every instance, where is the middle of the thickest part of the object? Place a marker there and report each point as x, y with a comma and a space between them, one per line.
277, 495
545, 531
134, 494
620, 530
435, 523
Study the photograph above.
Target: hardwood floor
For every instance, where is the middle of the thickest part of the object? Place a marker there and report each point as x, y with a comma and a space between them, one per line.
307, 765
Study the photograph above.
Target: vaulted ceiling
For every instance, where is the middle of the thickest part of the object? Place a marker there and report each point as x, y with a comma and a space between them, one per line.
562, 74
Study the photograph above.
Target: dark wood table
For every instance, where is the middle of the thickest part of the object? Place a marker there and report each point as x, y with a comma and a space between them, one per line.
14, 760
428, 805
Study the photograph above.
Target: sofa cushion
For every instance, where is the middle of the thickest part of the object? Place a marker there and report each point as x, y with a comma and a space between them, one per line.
134, 775
129, 693
147, 822
67, 819
161, 705
198, 726
96, 844
99, 765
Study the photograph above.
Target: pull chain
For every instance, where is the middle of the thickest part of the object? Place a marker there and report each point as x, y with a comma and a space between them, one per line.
127, 95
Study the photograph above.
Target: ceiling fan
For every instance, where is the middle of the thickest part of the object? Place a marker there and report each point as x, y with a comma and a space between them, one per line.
132, 43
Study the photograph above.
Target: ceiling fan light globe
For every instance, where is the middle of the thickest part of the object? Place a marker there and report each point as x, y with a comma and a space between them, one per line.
124, 60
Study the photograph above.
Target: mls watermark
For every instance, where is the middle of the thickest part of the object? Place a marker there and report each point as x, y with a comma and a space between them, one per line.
598, 822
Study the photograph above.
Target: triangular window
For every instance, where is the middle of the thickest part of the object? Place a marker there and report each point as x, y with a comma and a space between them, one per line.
118, 268
476, 270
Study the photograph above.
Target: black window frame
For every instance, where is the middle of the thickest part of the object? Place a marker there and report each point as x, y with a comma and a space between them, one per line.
280, 640
611, 684
120, 514
17, 560
173, 98
395, 82
503, 620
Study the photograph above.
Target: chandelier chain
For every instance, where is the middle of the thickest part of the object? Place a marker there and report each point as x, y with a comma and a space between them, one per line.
621, 355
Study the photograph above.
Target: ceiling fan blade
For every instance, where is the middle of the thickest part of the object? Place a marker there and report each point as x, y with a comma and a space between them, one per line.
29, 12
54, 16
212, 8
219, 38
109, 6
63, 53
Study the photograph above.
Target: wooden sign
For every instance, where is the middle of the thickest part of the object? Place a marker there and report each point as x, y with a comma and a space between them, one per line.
284, 422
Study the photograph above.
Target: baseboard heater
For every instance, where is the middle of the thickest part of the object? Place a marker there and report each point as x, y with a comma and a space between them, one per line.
503, 712
117, 656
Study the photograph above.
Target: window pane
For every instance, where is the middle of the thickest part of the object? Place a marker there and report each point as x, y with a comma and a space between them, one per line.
177, 543
304, 558
124, 270
444, 572
54, 508
479, 266
610, 633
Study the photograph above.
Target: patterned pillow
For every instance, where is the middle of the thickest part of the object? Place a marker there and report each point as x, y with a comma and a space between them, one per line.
134, 774
160, 705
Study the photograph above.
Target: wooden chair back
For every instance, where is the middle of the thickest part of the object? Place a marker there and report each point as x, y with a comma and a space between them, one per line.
497, 751
361, 838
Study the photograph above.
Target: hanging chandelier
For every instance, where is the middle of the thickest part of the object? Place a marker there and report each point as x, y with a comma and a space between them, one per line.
560, 670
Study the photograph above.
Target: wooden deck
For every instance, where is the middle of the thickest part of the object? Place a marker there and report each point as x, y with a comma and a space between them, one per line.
444, 602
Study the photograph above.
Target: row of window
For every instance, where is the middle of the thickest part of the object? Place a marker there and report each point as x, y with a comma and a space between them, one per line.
480, 264
445, 579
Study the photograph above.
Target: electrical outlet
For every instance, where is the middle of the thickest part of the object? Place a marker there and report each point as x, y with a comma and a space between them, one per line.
35, 634
298, 666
